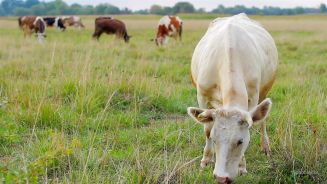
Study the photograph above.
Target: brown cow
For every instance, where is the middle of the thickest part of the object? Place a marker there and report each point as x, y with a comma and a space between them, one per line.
73, 21
31, 23
169, 26
110, 26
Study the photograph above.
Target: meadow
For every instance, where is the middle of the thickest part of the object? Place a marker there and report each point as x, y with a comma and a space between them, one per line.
73, 110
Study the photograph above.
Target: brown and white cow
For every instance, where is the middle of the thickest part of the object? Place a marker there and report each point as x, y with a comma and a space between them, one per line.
233, 66
110, 26
73, 21
169, 26
31, 23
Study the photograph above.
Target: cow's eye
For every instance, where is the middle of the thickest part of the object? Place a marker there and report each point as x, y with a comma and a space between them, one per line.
242, 122
239, 142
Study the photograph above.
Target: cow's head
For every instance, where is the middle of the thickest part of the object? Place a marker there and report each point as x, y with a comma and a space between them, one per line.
127, 37
40, 29
161, 40
230, 134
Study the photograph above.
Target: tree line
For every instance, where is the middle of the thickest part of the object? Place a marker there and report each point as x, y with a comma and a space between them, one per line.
59, 7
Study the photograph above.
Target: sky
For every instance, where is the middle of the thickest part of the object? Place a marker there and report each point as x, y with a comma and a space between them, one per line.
207, 4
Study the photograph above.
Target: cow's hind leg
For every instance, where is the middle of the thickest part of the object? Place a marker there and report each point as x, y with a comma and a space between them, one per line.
242, 166
208, 151
265, 145
265, 139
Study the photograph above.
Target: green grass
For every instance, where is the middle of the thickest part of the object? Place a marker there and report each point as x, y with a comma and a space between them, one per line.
80, 111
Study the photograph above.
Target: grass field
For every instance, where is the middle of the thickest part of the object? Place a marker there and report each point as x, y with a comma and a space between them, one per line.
78, 111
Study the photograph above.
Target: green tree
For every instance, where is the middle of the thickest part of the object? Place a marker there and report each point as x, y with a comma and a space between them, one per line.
201, 10
183, 7
167, 11
323, 7
75, 9
299, 10
30, 3
20, 11
126, 11
111, 10
39, 9
10, 5
156, 9
100, 9
87, 10
2, 11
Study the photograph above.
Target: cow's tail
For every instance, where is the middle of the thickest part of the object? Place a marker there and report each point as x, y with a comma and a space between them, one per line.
20, 22
180, 31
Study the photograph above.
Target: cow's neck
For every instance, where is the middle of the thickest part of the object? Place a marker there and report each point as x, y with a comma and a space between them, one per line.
233, 88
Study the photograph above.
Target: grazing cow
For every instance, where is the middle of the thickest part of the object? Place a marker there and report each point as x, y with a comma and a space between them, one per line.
31, 23
55, 21
233, 67
110, 26
73, 21
169, 26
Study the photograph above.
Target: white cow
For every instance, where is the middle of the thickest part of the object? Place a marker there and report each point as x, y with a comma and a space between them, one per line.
233, 67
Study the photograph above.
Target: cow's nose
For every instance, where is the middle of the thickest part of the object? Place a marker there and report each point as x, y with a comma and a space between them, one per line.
223, 180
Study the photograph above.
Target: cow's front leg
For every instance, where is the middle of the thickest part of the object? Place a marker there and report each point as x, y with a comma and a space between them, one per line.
242, 166
208, 151
265, 139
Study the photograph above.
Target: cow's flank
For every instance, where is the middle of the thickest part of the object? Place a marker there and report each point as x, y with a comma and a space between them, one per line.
110, 26
73, 21
55, 22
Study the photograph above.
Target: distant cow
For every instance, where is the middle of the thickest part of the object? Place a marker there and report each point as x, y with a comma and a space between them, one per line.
31, 23
169, 26
73, 21
233, 67
55, 21
110, 26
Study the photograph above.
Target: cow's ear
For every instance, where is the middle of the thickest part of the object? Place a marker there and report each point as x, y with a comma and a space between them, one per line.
261, 111
201, 115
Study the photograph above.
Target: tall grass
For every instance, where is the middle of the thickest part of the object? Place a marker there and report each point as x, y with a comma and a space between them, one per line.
79, 111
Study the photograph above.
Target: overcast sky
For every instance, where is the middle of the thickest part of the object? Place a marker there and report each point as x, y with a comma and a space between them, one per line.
207, 4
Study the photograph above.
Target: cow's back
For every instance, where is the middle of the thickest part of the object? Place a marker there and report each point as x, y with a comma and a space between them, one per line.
27, 21
110, 25
235, 46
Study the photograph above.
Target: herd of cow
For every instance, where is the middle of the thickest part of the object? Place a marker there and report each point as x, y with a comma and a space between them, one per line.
233, 68
169, 26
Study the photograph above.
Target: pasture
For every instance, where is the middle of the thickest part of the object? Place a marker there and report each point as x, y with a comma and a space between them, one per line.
74, 110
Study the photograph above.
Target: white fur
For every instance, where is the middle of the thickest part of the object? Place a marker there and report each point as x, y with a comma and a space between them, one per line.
165, 20
36, 19
76, 19
234, 52
56, 21
40, 37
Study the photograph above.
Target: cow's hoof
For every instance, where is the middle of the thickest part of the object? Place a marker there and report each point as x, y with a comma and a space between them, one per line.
205, 162
266, 149
242, 171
